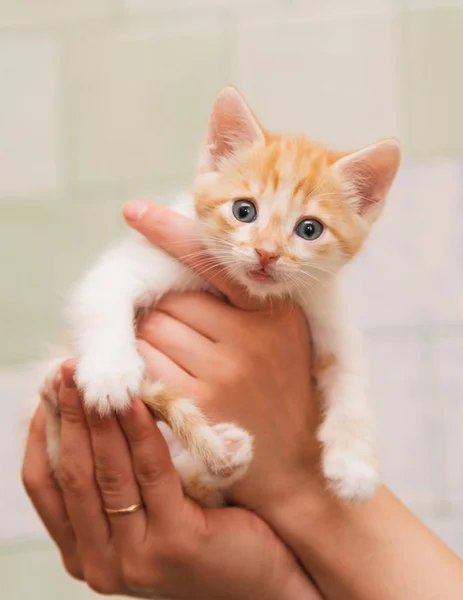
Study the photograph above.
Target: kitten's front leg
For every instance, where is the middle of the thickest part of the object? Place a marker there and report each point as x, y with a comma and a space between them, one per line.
109, 369
349, 457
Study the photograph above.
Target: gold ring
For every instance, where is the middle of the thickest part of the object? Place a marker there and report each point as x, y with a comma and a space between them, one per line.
123, 511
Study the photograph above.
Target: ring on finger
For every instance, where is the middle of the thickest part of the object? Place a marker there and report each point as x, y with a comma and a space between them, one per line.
129, 510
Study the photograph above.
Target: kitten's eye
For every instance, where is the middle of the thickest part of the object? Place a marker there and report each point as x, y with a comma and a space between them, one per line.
309, 229
244, 210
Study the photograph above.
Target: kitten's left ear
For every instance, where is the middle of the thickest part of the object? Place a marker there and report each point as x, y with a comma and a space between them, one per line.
232, 127
368, 175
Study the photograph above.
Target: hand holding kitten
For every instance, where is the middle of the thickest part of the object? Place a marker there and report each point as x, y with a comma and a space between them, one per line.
278, 215
172, 547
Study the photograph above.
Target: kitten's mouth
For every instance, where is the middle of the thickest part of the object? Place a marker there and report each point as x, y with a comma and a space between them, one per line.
260, 275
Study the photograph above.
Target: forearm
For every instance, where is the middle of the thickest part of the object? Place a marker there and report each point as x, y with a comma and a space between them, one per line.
373, 550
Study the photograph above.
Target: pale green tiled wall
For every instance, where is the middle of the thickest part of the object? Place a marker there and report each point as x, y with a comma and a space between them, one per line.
433, 81
334, 78
138, 98
15, 13
103, 100
30, 148
34, 572
48, 241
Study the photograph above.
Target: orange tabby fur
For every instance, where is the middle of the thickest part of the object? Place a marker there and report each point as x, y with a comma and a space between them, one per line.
300, 169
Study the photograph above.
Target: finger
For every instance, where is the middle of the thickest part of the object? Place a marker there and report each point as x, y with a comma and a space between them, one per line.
77, 475
161, 368
159, 483
179, 236
115, 478
183, 345
42, 488
204, 313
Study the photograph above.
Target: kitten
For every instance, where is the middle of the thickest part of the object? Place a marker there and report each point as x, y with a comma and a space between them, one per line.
283, 214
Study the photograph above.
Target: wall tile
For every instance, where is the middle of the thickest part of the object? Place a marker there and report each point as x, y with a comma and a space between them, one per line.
27, 12
431, 4
135, 115
450, 398
159, 194
341, 8
46, 578
432, 80
135, 7
51, 243
337, 82
29, 148
16, 391
410, 270
398, 392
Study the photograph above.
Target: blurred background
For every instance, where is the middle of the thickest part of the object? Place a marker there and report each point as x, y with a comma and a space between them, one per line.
106, 100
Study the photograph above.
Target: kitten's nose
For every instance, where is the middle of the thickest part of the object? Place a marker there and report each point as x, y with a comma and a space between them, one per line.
265, 257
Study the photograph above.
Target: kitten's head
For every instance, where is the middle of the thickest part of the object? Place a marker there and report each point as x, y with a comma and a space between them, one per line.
281, 212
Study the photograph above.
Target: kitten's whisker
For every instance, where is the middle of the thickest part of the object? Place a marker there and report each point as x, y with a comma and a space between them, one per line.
318, 268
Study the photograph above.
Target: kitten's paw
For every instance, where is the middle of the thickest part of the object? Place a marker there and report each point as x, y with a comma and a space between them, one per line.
109, 381
237, 451
351, 477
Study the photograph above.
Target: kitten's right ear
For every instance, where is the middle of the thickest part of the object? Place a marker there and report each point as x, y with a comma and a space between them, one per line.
369, 174
232, 127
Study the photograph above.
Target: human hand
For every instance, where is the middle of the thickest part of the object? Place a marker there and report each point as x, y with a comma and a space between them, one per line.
245, 362
251, 368
170, 546
336, 542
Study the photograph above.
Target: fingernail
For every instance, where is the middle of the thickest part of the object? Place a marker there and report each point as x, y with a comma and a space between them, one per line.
57, 382
68, 381
134, 209
67, 373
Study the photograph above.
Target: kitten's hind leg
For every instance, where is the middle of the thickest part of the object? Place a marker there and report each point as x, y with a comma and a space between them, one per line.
48, 391
224, 448
199, 484
49, 386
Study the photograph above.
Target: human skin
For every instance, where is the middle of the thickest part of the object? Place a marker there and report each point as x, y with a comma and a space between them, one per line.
172, 547
377, 549
253, 369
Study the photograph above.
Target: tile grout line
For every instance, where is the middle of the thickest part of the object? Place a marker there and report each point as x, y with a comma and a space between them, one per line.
401, 57
63, 117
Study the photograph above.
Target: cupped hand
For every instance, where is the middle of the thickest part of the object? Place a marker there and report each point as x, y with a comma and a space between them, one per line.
250, 368
170, 547
245, 361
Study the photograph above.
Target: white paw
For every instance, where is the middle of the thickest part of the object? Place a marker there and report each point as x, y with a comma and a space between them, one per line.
237, 450
109, 380
351, 477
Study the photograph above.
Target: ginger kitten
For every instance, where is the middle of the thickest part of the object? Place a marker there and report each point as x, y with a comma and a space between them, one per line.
283, 214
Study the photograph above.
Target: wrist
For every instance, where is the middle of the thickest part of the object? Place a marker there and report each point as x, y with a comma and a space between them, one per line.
311, 520
319, 529
307, 504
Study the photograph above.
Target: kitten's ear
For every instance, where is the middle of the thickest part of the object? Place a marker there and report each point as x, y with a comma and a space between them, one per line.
369, 174
232, 127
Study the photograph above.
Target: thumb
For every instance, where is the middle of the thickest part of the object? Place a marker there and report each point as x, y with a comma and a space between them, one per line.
179, 237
